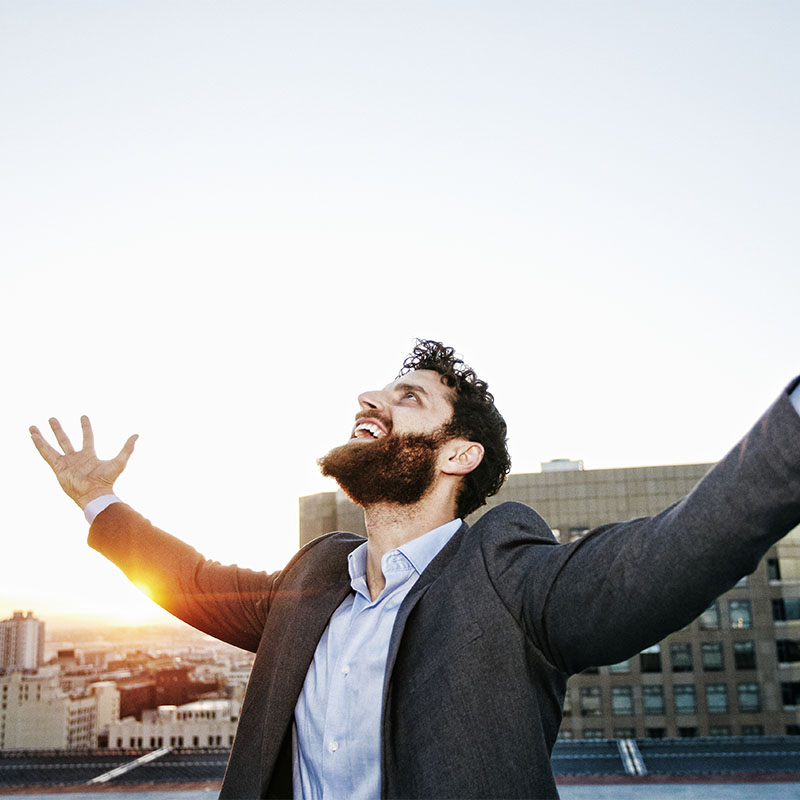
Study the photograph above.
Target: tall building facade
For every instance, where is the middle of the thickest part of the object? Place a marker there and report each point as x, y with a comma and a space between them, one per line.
21, 642
734, 671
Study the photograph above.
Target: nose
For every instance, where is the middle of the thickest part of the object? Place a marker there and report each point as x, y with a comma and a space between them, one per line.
372, 401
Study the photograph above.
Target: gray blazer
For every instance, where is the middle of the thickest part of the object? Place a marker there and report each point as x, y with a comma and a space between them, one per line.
486, 639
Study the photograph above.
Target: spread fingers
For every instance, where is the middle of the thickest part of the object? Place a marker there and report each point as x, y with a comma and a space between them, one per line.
46, 450
61, 437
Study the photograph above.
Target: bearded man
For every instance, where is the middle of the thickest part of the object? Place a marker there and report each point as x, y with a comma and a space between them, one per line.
431, 659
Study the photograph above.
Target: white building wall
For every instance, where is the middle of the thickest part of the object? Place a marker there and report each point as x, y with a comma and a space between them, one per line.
206, 723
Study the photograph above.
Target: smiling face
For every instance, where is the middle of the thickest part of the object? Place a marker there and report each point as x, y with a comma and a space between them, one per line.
416, 403
391, 456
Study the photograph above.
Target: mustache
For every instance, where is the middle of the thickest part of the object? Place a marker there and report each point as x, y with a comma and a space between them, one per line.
384, 420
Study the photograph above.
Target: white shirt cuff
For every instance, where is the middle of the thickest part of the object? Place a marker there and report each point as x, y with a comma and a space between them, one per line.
94, 507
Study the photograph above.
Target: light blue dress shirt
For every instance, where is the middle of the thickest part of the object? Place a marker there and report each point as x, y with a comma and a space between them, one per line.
338, 715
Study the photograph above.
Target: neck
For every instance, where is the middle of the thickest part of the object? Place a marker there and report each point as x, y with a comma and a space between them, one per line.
390, 525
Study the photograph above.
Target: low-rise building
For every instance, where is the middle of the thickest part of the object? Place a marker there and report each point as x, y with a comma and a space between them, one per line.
204, 723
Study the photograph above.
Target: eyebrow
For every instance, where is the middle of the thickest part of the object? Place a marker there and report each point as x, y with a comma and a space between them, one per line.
411, 387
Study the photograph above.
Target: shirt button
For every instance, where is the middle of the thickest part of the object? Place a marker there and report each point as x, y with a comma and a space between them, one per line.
333, 746
346, 669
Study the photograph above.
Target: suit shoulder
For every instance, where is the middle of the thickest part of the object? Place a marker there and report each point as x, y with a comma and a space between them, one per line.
326, 548
514, 521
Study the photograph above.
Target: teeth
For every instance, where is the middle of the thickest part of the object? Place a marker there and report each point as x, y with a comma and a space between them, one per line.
371, 428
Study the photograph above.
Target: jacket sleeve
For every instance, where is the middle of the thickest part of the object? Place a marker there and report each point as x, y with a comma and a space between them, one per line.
625, 586
226, 602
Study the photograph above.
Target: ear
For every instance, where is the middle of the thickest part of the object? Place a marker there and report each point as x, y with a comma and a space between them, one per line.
459, 457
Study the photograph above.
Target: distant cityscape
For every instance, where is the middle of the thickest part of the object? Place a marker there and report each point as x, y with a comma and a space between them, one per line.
142, 688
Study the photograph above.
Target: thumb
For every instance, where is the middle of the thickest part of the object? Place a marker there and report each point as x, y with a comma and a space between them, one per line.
121, 459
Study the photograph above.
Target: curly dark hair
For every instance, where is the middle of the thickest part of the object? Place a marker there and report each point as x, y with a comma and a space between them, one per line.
475, 418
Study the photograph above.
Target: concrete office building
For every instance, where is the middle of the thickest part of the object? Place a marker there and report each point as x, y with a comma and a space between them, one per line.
734, 671
21, 642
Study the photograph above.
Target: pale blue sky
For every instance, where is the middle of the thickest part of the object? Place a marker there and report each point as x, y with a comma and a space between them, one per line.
221, 221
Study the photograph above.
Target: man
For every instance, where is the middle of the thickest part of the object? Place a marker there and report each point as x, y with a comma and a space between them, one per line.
431, 659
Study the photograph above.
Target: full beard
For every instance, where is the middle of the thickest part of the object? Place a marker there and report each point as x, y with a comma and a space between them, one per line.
395, 469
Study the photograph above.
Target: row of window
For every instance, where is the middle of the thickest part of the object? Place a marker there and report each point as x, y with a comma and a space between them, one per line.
684, 732
174, 741
740, 613
712, 657
684, 699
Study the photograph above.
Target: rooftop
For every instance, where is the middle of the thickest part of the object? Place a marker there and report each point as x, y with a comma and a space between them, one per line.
647, 765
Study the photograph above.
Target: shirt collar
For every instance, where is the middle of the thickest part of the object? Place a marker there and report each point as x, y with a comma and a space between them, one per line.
419, 551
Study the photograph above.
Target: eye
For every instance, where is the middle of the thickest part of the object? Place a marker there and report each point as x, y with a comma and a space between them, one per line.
412, 395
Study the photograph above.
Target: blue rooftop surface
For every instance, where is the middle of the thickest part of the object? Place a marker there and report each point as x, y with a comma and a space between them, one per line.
704, 791
605, 764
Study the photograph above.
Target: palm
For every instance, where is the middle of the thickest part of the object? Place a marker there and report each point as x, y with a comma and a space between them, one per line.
82, 475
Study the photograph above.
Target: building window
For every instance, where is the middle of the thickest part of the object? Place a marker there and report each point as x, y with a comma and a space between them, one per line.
624, 733
752, 730
719, 730
749, 698
685, 700
773, 569
709, 619
717, 699
680, 654
713, 659
790, 692
564, 734
590, 701
655, 733
592, 733
744, 655
740, 614
785, 609
793, 730
653, 699
578, 532
788, 651
622, 700
620, 667
195, 741
650, 659
687, 732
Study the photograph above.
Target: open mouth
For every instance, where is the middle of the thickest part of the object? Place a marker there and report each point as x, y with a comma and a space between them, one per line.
368, 430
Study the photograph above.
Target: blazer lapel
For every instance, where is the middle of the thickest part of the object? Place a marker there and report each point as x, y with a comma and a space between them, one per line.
429, 575
307, 610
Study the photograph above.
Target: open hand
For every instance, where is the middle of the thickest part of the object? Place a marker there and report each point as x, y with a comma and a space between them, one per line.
82, 475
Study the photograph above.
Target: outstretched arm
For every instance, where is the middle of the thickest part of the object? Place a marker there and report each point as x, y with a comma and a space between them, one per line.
82, 475
625, 586
227, 602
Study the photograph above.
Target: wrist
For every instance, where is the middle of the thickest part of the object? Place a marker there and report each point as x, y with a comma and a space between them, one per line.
100, 491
